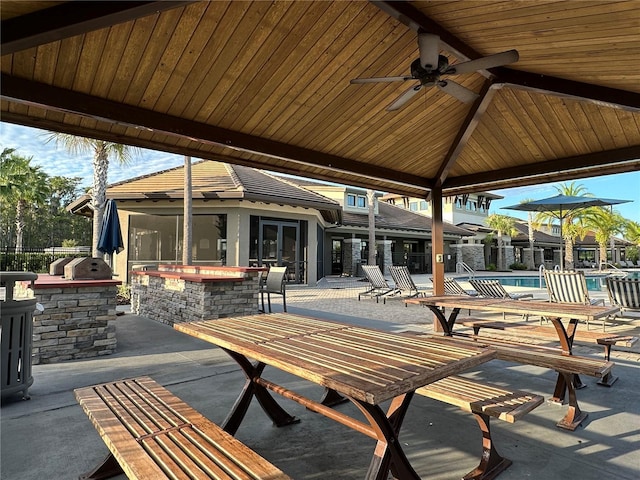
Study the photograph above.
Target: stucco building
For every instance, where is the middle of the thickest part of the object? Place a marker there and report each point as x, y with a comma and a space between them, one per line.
243, 216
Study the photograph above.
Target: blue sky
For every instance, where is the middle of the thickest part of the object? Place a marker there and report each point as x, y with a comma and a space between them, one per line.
31, 142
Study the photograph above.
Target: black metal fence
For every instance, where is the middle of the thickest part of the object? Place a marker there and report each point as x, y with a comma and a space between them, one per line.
36, 260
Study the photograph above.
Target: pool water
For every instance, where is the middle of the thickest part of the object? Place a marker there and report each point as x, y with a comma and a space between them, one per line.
594, 284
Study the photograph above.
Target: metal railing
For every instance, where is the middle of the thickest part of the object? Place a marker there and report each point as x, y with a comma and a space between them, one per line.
616, 271
541, 270
463, 267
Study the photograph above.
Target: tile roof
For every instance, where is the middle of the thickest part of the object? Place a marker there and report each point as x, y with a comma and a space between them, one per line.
217, 180
397, 218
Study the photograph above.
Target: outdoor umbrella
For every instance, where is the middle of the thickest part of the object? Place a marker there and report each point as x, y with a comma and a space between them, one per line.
110, 239
560, 205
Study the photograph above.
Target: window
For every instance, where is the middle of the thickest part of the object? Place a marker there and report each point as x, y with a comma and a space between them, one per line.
351, 200
159, 238
413, 206
424, 205
362, 201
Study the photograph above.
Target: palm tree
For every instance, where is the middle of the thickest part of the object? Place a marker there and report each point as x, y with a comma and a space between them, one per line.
102, 151
632, 232
503, 224
572, 227
605, 224
187, 233
22, 185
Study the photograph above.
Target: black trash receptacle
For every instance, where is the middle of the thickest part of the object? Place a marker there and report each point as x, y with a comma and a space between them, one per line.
16, 334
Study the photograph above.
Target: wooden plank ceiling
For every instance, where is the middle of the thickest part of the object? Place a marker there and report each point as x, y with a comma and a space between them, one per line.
266, 84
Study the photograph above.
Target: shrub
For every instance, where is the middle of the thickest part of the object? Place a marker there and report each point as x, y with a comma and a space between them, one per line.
518, 266
124, 294
492, 267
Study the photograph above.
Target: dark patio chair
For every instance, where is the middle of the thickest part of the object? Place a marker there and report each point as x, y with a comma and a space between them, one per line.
274, 284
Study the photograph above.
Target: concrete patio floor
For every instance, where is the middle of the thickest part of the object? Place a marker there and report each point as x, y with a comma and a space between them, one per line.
49, 437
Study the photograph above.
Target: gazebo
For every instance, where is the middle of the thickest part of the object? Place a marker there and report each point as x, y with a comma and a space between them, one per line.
267, 84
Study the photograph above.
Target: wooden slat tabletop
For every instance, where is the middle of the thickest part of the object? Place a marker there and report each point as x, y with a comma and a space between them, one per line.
531, 307
366, 364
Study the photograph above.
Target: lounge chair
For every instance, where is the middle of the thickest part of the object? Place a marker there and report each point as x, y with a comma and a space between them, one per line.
274, 284
624, 293
494, 289
404, 285
569, 287
378, 286
452, 287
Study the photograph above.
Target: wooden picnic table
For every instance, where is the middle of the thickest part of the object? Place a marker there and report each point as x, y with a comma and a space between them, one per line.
365, 365
553, 311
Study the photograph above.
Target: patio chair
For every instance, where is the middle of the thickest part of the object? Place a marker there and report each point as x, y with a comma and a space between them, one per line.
377, 283
624, 293
274, 284
569, 287
404, 285
494, 289
452, 287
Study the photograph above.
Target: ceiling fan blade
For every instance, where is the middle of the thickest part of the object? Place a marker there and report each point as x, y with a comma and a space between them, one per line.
404, 98
380, 79
429, 46
458, 91
483, 63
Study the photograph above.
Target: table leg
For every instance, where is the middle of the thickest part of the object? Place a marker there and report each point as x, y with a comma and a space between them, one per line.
574, 415
388, 454
446, 324
566, 337
331, 398
275, 412
491, 463
108, 468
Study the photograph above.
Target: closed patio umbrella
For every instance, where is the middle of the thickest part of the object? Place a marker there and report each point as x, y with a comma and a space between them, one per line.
560, 205
110, 235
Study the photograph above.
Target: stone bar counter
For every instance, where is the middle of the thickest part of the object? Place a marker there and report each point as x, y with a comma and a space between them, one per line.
178, 293
77, 320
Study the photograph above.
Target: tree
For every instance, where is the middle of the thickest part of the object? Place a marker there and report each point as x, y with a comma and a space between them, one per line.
632, 232
102, 152
572, 227
605, 224
502, 224
23, 186
187, 256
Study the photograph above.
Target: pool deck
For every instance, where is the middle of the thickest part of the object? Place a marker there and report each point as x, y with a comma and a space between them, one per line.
50, 437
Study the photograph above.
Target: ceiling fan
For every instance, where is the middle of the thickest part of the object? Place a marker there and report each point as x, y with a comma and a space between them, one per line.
431, 66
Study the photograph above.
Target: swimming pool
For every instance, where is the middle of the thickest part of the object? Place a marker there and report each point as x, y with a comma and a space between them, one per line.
594, 283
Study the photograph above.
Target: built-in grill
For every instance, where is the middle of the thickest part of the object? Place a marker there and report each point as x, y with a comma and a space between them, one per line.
87, 268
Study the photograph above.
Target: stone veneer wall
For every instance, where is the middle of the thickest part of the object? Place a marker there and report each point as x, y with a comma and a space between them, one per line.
77, 322
185, 294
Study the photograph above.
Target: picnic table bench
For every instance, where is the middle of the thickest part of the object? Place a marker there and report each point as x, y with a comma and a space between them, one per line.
152, 434
607, 340
567, 366
484, 400
562, 360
